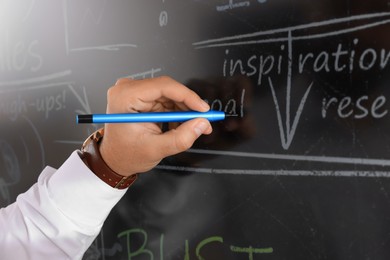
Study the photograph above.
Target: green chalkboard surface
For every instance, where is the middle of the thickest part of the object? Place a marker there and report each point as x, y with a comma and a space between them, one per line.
299, 170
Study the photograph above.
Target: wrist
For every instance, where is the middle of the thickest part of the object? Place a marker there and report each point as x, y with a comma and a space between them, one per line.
93, 159
114, 160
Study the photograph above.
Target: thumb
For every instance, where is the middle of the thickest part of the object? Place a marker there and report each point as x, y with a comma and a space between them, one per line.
183, 137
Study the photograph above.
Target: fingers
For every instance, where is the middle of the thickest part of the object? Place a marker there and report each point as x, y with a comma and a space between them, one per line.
143, 95
182, 138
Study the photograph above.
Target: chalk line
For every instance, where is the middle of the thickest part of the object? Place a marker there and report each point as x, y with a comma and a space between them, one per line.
36, 79
276, 172
294, 28
144, 74
295, 38
296, 173
290, 157
112, 47
42, 86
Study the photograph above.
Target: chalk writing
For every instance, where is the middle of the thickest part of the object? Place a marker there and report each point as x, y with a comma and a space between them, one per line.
361, 109
20, 105
133, 251
339, 60
17, 54
13, 108
232, 5
50, 103
163, 19
251, 251
232, 107
344, 58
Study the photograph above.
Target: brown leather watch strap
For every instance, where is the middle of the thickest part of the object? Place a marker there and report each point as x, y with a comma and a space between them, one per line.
93, 159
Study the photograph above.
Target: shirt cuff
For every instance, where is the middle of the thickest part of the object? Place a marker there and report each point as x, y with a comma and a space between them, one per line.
80, 195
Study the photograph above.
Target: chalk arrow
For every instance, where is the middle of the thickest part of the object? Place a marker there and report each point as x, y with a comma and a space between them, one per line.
83, 101
86, 109
286, 136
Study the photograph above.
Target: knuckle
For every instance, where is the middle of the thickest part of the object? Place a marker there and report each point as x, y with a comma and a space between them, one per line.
164, 78
110, 92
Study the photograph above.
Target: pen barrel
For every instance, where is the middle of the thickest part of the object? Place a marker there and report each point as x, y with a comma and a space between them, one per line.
155, 117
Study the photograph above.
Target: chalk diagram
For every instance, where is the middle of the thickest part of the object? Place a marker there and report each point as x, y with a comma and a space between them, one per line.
18, 152
91, 17
288, 127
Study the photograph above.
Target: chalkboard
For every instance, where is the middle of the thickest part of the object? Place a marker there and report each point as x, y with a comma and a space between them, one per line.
299, 170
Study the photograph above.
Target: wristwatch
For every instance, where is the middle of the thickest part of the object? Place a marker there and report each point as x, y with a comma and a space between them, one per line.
91, 156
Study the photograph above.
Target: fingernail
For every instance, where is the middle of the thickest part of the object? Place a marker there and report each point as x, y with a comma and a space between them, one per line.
205, 105
200, 128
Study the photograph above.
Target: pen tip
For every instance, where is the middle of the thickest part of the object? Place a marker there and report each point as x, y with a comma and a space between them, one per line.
84, 119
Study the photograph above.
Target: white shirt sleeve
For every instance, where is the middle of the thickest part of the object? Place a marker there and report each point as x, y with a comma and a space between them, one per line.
59, 216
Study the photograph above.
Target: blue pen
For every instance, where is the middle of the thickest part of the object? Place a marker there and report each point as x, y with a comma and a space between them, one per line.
152, 117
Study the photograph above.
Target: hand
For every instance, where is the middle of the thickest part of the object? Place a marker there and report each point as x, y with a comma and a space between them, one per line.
138, 147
